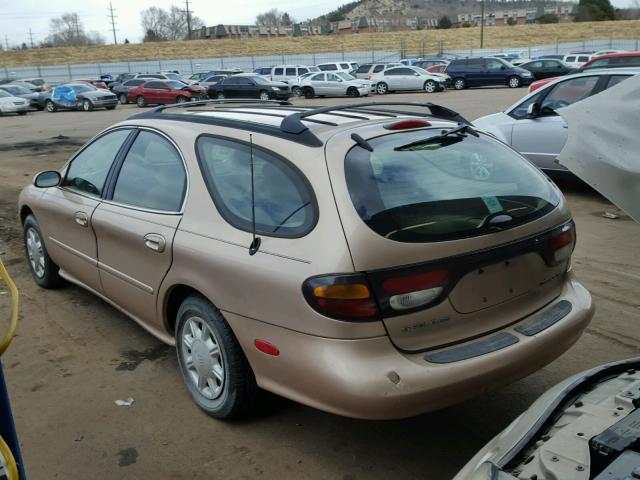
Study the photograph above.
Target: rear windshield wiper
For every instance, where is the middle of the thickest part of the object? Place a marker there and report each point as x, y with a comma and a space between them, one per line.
458, 133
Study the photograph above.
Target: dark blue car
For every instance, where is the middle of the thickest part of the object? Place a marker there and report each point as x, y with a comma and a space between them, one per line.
479, 72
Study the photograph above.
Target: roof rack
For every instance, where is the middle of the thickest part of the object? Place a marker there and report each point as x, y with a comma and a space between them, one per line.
198, 103
293, 123
291, 126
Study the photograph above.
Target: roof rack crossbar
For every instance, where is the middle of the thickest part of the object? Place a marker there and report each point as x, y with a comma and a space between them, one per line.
220, 101
293, 123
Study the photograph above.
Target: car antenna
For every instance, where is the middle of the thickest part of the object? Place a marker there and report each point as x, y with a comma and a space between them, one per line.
255, 243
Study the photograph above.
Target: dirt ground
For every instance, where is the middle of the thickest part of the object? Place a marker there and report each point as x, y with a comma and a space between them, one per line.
75, 355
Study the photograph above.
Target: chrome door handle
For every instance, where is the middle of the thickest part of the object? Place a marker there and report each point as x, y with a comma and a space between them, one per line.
81, 219
565, 126
155, 242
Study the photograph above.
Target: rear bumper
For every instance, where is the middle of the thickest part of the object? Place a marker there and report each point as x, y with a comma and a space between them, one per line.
370, 378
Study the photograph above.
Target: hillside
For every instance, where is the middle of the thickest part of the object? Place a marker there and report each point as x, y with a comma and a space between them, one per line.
412, 41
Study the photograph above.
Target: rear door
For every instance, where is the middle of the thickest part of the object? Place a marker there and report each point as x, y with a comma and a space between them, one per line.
136, 223
66, 212
319, 83
542, 138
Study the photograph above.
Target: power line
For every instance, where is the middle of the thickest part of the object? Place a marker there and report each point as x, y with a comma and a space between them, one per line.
113, 23
186, 2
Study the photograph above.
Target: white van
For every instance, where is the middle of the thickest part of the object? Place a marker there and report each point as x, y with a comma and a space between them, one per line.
283, 73
576, 60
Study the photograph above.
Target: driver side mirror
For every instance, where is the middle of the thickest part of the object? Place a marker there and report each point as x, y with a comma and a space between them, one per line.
502, 67
533, 110
47, 179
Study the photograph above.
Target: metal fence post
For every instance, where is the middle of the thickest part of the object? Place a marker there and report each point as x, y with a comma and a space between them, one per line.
253, 62
221, 62
6, 72
69, 70
99, 69
39, 71
314, 58
159, 66
129, 67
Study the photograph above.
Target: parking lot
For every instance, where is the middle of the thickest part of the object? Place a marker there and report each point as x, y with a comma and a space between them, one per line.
75, 355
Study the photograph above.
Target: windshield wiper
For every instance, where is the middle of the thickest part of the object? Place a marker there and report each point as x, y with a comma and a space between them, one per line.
458, 133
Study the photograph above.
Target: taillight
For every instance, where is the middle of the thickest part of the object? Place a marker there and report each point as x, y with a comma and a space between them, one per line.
416, 290
561, 245
344, 297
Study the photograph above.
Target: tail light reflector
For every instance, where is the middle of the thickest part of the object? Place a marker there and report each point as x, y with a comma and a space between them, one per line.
561, 246
415, 290
344, 297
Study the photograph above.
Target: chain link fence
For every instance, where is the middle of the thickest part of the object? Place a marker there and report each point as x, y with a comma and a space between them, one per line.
62, 73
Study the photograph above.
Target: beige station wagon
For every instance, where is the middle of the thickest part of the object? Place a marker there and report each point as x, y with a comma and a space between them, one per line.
360, 259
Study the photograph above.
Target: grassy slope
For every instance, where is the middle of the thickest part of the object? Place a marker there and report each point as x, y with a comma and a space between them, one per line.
459, 38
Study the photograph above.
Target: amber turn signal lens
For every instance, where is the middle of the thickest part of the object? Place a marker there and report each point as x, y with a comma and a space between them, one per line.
355, 291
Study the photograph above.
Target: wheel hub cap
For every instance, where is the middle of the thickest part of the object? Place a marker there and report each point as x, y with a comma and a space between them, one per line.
35, 252
202, 358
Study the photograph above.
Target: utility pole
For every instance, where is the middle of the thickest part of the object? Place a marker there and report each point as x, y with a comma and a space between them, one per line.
482, 24
6, 42
30, 37
113, 23
186, 2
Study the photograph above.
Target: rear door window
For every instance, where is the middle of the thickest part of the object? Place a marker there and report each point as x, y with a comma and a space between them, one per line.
88, 171
152, 175
616, 79
345, 66
570, 59
291, 72
443, 190
285, 205
278, 71
476, 64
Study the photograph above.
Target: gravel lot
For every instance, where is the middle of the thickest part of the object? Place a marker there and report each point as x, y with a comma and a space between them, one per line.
75, 355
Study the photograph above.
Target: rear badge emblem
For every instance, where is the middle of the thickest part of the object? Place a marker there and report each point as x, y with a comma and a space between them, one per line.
419, 326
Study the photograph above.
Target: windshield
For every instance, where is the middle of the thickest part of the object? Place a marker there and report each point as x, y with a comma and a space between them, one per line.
174, 76
4, 94
446, 189
261, 80
421, 71
83, 88
38, 82
345, 76
314, 69
16, 89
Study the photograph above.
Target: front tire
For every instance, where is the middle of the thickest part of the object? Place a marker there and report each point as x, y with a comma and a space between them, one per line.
382, 88
430, 86
263, 95
87, 106
111, 107
43, 270
213, 365
220, 96
459, 84
353, 92
514, 82
49, 106
123, 98
182, 99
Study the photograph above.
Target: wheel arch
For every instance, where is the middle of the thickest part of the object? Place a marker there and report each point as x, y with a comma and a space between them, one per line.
25, 211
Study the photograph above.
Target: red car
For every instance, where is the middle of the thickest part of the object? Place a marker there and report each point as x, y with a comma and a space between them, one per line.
437, 68
160, 92
96, 83
610, 60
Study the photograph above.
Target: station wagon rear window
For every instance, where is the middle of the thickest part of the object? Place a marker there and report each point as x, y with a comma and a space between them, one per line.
451, 188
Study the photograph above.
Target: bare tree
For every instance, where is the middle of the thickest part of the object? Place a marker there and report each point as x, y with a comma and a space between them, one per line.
274, 18
160, 25
67, 30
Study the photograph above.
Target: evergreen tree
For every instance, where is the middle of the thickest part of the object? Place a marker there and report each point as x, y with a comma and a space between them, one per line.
595, 11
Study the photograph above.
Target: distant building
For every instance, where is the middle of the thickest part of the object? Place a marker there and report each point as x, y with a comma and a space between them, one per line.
566, 12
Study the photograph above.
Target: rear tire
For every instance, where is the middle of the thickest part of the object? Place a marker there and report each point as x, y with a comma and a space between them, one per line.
220, 96
297, 91
382, 88
212, 363
22, 113
43, 270
308, 92
514, 82
123, 98
459, 84
141, 101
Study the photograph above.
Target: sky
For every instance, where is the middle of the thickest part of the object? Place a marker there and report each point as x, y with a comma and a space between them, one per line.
18, 16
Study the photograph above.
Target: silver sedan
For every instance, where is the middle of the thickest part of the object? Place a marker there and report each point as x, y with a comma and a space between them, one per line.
408, 78
329, 84
532, 126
